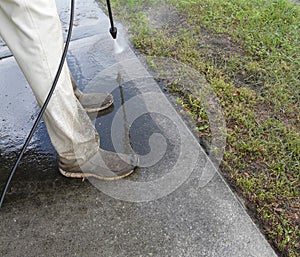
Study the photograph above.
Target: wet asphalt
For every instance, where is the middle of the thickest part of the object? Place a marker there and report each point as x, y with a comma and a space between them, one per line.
176, 204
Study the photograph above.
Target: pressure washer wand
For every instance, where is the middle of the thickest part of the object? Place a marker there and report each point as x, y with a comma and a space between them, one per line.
113, 30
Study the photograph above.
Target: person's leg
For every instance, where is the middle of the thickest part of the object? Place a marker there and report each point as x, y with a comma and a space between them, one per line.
32, 31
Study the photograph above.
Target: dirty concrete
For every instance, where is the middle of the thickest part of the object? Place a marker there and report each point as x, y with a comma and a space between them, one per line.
45, 214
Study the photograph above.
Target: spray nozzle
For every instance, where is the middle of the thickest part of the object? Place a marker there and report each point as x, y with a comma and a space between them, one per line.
113, 31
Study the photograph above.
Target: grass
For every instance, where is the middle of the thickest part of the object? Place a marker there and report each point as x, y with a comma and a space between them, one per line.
249, 52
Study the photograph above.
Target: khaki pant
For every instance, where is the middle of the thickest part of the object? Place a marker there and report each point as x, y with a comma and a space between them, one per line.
32, 31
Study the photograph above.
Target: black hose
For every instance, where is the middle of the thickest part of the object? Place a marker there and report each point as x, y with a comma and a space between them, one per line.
33, 129
113, 30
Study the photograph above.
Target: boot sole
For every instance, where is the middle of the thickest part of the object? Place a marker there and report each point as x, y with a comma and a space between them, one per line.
91, 175
98, 109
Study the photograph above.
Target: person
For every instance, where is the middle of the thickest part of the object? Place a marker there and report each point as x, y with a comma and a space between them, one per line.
32, 31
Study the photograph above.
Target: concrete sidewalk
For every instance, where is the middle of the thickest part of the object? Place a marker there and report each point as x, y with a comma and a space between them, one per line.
176, 204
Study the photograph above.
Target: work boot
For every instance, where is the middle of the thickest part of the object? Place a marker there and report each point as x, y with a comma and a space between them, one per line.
103, 165
92, 102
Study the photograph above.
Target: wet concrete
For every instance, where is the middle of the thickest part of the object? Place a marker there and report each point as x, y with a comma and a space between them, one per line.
45, 214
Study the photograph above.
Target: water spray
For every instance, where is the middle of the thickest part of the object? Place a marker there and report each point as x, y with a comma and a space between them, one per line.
113, 30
